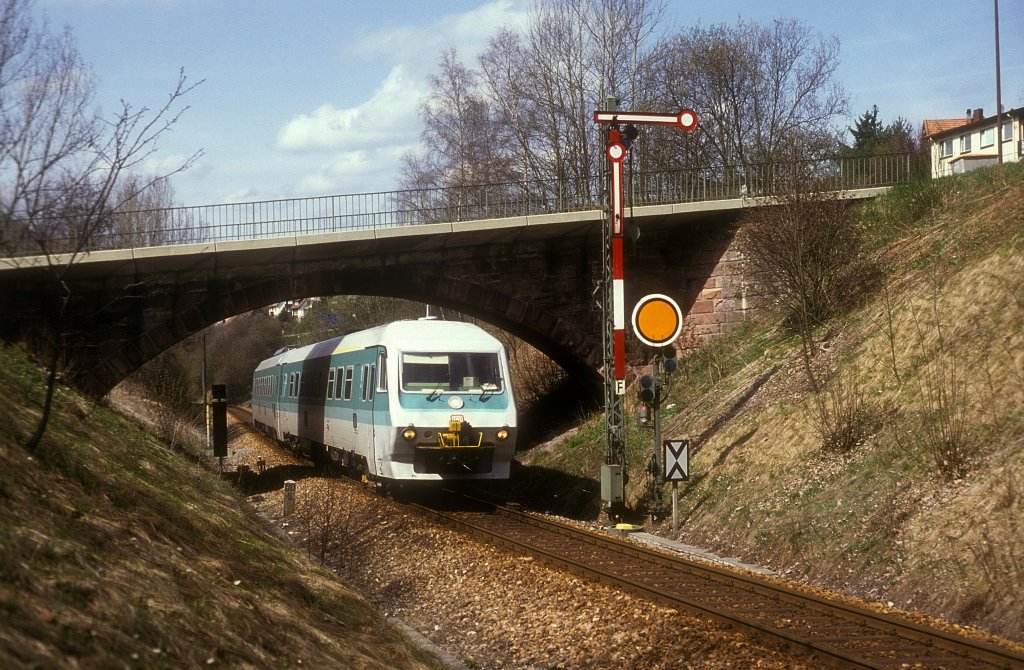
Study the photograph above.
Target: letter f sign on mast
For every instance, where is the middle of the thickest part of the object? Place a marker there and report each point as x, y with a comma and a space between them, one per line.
686, 120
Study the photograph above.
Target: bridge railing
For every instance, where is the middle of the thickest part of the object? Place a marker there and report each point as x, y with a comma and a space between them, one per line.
371, 211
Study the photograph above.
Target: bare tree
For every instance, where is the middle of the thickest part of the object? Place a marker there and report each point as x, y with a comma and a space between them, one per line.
525, 116
460, 148
758, 89
806, 254
145, 215
547, 81
60, 158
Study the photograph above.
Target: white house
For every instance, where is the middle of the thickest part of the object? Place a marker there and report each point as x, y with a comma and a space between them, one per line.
960, 145
296, 308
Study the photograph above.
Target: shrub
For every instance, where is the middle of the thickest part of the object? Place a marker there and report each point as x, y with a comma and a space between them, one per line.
807, 253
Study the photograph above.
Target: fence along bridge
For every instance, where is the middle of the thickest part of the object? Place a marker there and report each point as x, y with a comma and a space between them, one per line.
754, 184
524, 257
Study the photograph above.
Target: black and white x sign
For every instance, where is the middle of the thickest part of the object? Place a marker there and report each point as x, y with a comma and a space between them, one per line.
676, 457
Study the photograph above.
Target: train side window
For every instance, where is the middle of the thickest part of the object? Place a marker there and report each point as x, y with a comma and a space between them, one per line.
364, 382
349, 374
382, 372
371, 384
331, 376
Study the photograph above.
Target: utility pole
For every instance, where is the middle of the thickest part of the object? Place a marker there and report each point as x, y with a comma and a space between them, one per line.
999, 95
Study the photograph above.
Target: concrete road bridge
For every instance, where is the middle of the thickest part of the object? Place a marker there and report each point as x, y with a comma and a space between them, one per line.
524, 257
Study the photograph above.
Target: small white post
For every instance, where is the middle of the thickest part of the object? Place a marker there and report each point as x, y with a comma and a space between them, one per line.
289, 497
675, 506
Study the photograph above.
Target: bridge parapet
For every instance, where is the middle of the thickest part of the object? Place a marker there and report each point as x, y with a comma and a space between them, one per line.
269, 219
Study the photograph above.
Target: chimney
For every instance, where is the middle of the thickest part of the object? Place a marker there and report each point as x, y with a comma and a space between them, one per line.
978, 114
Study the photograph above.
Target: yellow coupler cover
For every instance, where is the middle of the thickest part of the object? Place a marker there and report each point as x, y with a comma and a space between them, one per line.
452, 437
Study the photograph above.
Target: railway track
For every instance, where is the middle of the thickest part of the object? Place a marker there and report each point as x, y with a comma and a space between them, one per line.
835, 633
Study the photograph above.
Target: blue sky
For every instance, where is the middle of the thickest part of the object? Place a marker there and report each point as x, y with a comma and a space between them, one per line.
315, 97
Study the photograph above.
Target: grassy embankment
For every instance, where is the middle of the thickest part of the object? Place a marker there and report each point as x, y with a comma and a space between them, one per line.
926, 510
119, 552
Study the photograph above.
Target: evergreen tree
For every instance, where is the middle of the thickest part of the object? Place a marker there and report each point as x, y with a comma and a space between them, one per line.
868, 132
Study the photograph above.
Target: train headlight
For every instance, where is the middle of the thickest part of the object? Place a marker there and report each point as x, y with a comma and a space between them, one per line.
409, 434
502, 433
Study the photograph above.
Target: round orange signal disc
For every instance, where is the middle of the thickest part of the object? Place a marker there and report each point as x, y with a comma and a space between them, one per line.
657, 320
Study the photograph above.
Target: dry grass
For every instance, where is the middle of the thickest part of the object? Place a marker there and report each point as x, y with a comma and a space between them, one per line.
923, 507
115, 551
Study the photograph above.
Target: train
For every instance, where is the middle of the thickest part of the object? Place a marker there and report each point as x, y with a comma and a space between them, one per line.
422, 400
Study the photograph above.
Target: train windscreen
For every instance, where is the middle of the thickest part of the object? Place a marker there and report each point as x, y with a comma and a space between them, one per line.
450, 371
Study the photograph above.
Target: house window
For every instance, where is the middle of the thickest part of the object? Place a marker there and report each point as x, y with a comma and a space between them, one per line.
965, 143
988, 137
947, 148
1007, 131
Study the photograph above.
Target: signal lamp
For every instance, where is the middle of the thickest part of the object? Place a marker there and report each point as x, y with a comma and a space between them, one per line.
502, 433
630, 133
409, 434
668, 359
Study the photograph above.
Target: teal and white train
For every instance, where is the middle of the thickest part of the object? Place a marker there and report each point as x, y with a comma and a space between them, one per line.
423, 400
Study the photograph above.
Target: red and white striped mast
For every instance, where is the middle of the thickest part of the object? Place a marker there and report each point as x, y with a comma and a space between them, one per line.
616, 149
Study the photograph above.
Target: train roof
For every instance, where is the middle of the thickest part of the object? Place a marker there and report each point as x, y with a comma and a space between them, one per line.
423, 335
418, 335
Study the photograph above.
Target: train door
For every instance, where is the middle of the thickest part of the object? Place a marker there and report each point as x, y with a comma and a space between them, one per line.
381, 436
279, 388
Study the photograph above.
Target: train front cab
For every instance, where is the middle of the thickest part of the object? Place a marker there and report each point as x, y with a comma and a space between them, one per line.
454, 417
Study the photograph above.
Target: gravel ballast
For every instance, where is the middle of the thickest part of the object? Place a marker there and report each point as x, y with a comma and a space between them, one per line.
487, 607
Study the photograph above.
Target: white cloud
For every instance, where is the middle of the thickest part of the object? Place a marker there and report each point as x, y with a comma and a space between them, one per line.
365, 141
158, 164
389, 116
419, 45
360, 171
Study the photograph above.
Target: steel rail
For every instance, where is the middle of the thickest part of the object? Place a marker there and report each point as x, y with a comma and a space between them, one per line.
883, 641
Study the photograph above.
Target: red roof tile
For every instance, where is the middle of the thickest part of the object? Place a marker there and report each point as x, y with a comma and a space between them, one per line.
935, 126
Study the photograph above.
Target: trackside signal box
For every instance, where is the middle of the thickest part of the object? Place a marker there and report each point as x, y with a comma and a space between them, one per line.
611, 483
219, 412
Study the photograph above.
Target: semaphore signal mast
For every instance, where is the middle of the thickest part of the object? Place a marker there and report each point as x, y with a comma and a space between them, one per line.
620, 134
